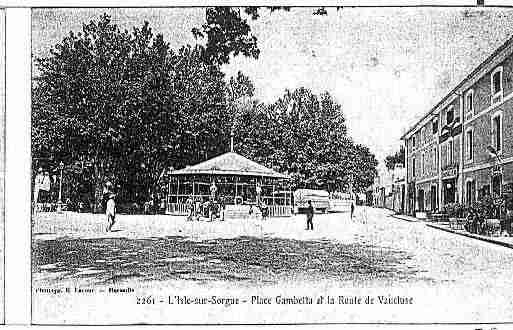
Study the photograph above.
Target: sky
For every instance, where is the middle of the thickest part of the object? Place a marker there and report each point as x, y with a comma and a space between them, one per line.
385, 66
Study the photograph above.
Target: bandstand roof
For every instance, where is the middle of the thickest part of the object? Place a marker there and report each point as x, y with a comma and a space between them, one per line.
230, 163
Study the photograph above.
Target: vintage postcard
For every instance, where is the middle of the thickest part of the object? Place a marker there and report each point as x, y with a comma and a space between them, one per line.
272, 165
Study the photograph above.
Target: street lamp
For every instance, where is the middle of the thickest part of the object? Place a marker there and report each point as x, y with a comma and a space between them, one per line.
59, 203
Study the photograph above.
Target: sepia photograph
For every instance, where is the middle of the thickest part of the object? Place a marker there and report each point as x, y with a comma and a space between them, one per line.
272, 165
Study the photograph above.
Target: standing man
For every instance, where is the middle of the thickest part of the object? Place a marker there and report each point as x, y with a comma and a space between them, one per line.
309, 216
352, 210
107, 191
110, 212
213, 191
258, 193
45, 188
264, 210
37, 185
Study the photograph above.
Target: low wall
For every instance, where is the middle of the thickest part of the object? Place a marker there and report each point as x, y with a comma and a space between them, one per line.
274, 210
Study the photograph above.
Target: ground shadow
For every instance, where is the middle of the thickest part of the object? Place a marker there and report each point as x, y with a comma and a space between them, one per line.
245, 258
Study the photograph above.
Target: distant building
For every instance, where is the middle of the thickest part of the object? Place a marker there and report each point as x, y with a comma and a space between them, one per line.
389, 188
462, 148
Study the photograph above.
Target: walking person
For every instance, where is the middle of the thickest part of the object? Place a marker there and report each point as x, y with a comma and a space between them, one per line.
352, 210
309, 216
110, 212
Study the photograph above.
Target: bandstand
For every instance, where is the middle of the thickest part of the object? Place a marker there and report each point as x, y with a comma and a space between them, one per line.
234, 179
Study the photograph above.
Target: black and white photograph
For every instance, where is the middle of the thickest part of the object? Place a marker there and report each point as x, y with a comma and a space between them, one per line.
272, 165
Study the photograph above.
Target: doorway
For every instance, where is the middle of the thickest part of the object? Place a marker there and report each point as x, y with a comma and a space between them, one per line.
434, 198
471, 192
420, 200
449, 191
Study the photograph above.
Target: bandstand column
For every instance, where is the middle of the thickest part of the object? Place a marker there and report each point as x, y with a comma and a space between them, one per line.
177, 189
274, 196
235, 196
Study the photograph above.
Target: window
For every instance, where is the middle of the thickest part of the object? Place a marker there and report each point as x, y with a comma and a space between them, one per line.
450, 153
423, 164
435, 160
496, 85
421, 136
413, 166
469, 103
497, 132
435, 126
413, 141
469, 137
471, 192
449, 116
442, 155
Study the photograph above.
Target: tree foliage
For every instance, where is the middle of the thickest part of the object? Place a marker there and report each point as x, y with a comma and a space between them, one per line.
123, 106
305, 135
126, 105
396, 158
228, 33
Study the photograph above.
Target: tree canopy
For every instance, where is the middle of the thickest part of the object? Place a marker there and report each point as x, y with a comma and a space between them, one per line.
396, 158
127, 105
305, 135
123, 106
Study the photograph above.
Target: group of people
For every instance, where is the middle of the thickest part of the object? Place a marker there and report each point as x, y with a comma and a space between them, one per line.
210, 209
260, 206
215, 209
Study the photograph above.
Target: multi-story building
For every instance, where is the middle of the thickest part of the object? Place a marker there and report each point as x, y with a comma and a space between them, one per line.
398, 188
463, 147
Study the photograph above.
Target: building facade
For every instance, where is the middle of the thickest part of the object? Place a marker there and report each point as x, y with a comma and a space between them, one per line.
389, 190
462, 149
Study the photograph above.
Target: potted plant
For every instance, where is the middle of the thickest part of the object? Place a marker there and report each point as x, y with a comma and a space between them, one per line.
488, 211
456, 214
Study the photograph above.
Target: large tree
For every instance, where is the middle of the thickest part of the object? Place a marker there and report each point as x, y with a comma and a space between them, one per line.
305, 135
396, 158
227, 31
126, 105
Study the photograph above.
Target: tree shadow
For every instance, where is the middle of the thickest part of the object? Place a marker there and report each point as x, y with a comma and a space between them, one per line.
242, 259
